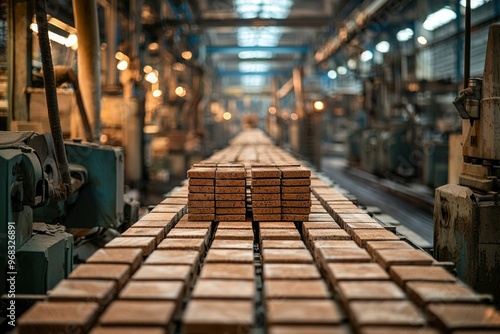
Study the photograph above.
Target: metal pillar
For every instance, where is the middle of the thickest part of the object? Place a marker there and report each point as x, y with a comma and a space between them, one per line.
89, 60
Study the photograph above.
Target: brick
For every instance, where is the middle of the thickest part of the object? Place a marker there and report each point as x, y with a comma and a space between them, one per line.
174, 201
243, 234
451, 317
266, 173
389, 257
363, 236
266, 204
266, 190
192, 210
201, 173
187, 257
299, 190
232, 244
286, 196
181, 273
131, 257
266, 197
157, 232
266, 217
326, 234
230, 190
362, 226
229, 256
355, 272
279, 234
371, 246
118, 273
188, 233
347, 255
302, 312
295, 289
307, 225
295, 172
317, 244
286, 255
201, 216
312, 329
166, 217
224, 289
230, 183
290, 271
200, 204
423, 293
399, 330
147, 244
404, 274
320, 217
296, 211
356, 290
57, 317
283, 244
153, 290
193, 224
154, 224
247, 225
98, 291
201, 182
230, 204
183, 244
218, 316
296, 204
201, 197
277, 225
266, 182
177, 209
230, 173
294, 217
295, 182
228, 271
240, 217
138, 313
128, 330
385, 313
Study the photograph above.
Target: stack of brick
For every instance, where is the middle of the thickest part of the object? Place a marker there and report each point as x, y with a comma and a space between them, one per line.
266, 193
230, 195
295, 193
201, 192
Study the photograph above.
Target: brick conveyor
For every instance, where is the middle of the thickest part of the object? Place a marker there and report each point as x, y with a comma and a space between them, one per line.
339, 271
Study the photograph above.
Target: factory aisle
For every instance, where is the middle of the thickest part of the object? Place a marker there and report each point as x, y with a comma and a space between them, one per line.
416, 219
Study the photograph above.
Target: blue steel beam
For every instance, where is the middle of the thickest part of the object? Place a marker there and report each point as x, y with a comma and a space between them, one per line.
274, 49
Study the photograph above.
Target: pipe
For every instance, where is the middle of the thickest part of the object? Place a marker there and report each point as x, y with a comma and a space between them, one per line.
89, 60
51, 97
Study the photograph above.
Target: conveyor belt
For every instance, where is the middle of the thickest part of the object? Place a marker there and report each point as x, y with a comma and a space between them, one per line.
338, 272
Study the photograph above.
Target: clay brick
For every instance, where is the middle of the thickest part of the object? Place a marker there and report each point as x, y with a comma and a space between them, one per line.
348, 255
230, 190
266, 182
356, 272
230, 173
154, 224
279, 234
193, 224
266, 204
98, 291
362, 226
266, 173
295, 211
243, 234
153, 290
277, 225
297, 190
295, 182
218, 316
200, 197
224, 289
355, 290
128, 330
389, 257
291, 271
266, 190
174, 201
451, 317
200, 204
333, 329
404, 274
232, 244
201, 182
399, 330
266, 197
324, 217
266, 217
246, 225
229, 256
183, 244
201, 173
230, 204
423, 293
161, 208
241, 217
371, 246
157, 232
286, 196
188, 233
302, 312
318, 244
286, 255
202, 217
308, 225
295, 172
295, 289
283, 244
57, 317
166, 217
363, 236
131, 257
118, 273
138, 313
294, 217
210, 210
230, 197
230, 183
326, 234
181, 273
385, 313
228, 271
187, 257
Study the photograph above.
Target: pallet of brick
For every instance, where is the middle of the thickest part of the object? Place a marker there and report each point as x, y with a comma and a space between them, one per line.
266, 193
201, 192
230, 192
295, 193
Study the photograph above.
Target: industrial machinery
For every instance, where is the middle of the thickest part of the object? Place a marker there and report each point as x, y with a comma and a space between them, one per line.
467, 215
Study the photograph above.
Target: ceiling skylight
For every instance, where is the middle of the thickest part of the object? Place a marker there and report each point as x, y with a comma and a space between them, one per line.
474, 3
255, 54
264, 9
439, 18
249, 66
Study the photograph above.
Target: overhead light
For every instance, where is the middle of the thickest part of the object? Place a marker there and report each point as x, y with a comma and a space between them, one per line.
227, 116
180, 91
351, 63
248, 67
180, 67
52, 35
122, 65
341, 70
153, 46
187, 55
294, 116
474, 3
120, 55
272, 110
151, 129
253, 80
439, 18
157, 93
383, 47
255, 54
332, 74
72, 41
265, 9
422, 40
404, 35
147, 69
367, 55
319, 105
152, 77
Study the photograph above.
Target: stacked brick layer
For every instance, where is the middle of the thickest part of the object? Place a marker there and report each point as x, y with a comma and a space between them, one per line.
338, 272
